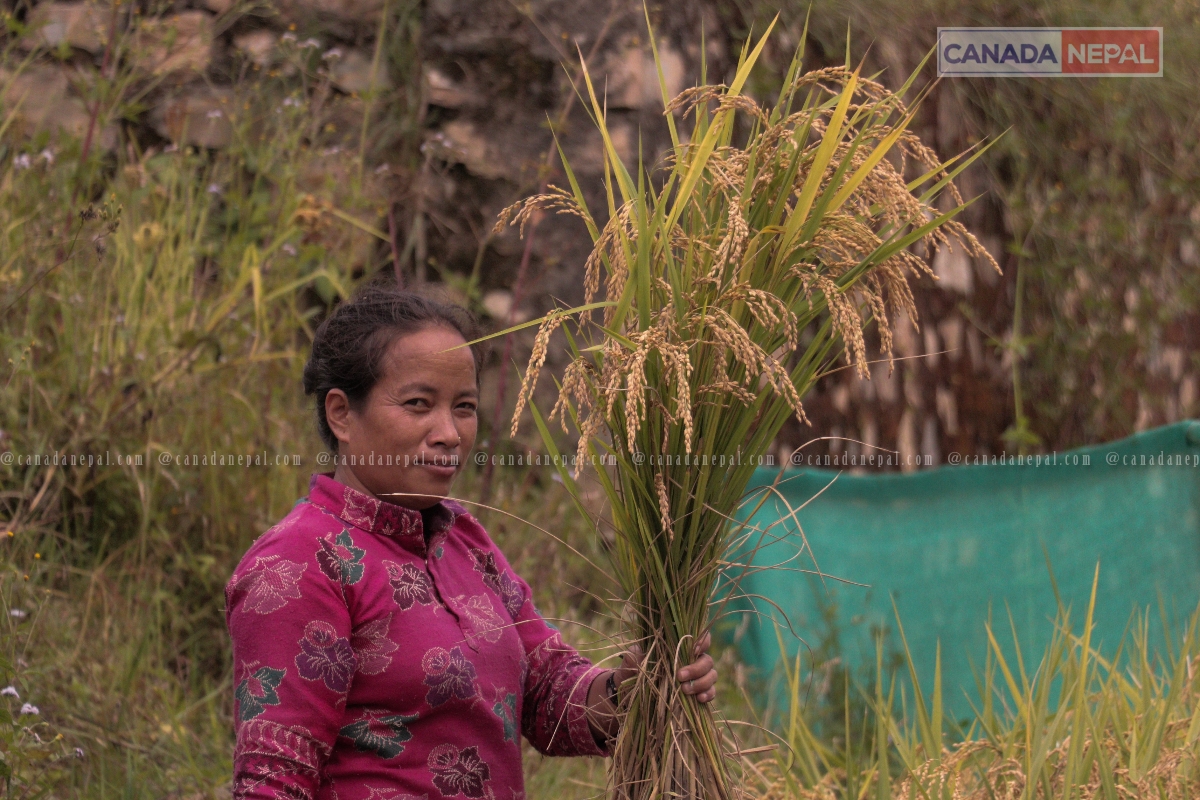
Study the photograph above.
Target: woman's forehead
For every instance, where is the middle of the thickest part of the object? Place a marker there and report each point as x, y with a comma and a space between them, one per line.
429, 352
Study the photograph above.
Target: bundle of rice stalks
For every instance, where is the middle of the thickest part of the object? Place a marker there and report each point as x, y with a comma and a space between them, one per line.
731, 279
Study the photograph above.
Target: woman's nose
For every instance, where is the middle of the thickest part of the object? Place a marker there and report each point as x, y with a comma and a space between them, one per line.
445, 432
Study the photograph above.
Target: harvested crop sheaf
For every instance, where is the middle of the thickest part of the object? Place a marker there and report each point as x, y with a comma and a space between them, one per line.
729, 281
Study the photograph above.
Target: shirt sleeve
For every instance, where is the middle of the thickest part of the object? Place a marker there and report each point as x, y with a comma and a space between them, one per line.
553, 715
293, 664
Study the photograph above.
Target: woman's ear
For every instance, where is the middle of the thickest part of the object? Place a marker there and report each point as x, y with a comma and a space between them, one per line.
337, 414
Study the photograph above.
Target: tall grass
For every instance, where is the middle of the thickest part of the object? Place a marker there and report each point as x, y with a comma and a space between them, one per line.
155, 303
730, 282
1073, 721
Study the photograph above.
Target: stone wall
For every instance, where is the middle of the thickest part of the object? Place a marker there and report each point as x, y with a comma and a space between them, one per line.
464, 95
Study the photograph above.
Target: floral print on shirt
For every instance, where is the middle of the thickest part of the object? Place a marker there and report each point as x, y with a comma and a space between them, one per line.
506, 710
381, 652
448, 675
500, 582
324, 656
409, 585
372, 647
269, 584
458, 772
340, 560
380, 733
256, 691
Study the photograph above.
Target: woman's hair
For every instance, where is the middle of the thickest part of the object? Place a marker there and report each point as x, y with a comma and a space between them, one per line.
349, 346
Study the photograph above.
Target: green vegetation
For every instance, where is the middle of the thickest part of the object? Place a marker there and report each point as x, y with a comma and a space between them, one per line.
1073, 722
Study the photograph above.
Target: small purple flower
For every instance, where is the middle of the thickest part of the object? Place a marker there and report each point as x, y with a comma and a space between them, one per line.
9, 691
29, 708
325, 656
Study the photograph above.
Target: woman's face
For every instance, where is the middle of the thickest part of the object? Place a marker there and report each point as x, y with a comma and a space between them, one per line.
421, 413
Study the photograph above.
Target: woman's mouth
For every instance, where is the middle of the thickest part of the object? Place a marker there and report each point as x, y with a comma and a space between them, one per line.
443, 466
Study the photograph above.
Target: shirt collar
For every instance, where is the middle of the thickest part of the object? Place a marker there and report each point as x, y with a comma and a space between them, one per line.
373, 515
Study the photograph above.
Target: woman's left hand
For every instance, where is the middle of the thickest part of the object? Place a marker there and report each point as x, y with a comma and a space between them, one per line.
699, 678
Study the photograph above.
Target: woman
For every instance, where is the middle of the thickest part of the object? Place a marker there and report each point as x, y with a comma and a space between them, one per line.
382, 645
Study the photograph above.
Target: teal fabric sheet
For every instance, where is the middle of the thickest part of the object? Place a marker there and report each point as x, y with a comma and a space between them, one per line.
953, 545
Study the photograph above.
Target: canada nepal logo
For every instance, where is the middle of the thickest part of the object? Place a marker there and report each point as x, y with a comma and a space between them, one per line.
1050, 52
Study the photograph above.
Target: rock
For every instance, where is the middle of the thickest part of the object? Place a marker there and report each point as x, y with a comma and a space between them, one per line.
71, 116
82, 25
951, 330
460, 142
953, 268
350, 71
34, 88
198, 116
180, 43
360, 11
258, 46
498, 305
39, 96
633, 78
585, 148
906, 440
440, 90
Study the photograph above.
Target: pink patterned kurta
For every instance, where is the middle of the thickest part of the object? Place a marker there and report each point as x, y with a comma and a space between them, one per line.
368, 664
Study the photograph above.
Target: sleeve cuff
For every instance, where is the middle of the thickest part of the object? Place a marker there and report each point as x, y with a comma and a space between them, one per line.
582, 740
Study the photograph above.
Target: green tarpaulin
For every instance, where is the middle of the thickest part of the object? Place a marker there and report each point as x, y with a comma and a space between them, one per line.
952, 544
